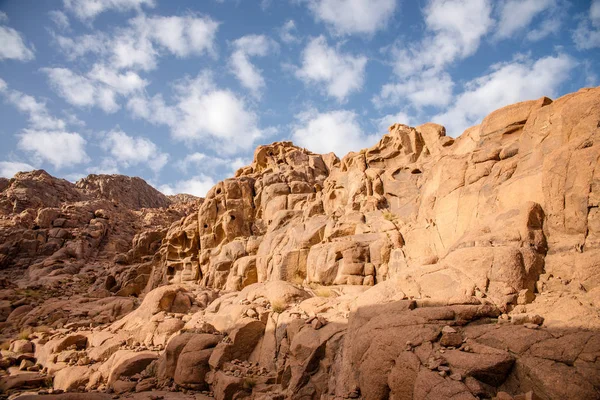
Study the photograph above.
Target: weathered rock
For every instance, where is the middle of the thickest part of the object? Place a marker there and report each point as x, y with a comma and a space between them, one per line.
133, 193
71, 378
242, 341
423, 267
21, 346
193, 361
228, 387
125, 363
25, 380
185, 359
148, 323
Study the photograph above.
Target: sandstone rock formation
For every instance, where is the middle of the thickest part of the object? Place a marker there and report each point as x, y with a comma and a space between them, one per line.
70, 241
425, 267
131, 193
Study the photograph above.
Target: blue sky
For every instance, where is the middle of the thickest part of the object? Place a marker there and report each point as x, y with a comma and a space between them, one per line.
181, 92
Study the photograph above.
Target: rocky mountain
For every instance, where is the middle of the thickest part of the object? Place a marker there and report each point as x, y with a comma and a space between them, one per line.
425, 267
131, 193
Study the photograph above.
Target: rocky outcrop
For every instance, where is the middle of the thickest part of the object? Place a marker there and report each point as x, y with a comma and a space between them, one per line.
424, 267
477, 217
70, 249
234, 218
36, 189
130, 193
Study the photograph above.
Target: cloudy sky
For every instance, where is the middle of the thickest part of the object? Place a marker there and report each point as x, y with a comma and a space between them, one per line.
181, 92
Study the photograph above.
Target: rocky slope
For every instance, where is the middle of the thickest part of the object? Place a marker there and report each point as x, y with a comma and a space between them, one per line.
425, 267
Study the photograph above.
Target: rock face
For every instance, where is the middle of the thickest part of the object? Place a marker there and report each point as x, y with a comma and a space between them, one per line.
425, 267
491, 215
131, 193
59, 240
36, 189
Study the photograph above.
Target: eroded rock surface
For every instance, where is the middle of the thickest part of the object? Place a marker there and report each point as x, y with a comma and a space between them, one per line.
425, 267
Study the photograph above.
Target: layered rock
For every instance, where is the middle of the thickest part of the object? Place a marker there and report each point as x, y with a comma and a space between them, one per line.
241, 213
131, 193
36, 189
425, 267
57, 240
480, 216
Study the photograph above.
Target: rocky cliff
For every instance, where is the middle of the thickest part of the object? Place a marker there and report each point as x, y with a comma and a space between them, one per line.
425, 267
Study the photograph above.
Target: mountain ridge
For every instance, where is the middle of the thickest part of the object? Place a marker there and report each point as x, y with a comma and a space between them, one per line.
422, 267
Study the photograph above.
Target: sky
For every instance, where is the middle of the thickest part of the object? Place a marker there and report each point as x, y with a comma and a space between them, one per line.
181, 92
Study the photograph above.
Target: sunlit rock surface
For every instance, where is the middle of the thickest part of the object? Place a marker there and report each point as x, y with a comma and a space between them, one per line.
425, 267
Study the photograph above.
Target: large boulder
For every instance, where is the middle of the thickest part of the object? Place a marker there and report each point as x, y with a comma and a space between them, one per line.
72, 378
151, 323
242, 341
193, 361
124, 364
186, 357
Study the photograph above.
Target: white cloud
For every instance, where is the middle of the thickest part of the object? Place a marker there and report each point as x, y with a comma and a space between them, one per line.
195, 159
334, 131
455, 29
129, 150
80, 91
254, 45
207, 112
246, 72
287, 33
587, 34
238, 163
60, 19
591, 74
89, 9
401, 117
153, 110
133, 49
13, 45
548, 27
211, 164
3, 16
79, 46
341, 73
197, 186
507, 83
595, 12
585, 37
203, 112
39, 117
517, 15
71, 119
98, 89
122, 83
61, 149
8, 169
184, 36
138, 45
426, 89
45, 139
353, 16
106, 167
